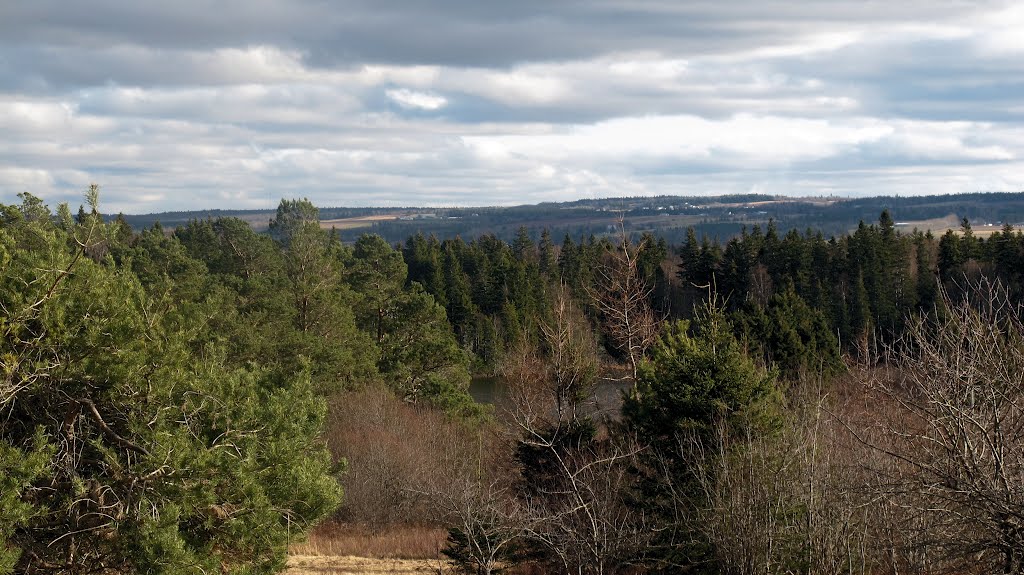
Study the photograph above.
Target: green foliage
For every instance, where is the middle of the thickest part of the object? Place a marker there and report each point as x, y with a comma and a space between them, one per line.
694, 388
450, 396
20, 467
694, 380
293, 215
418, 355
129, 442
790, 334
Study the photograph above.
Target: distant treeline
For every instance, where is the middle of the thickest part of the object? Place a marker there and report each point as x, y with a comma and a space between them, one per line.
720, 217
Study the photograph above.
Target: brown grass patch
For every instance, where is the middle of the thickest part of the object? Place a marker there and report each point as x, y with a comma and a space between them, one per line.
978, 232
939, 226
395, 542
354, 223
317, 565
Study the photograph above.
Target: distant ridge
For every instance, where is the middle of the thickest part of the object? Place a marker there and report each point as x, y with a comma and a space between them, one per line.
665, 216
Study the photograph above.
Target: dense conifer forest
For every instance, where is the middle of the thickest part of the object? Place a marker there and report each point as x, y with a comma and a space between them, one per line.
786, 399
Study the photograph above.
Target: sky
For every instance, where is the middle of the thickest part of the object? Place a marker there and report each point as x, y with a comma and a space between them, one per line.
235, 104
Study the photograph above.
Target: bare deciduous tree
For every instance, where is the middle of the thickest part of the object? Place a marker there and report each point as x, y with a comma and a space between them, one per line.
475, 495
573, 497
955, 433
623, 298
547, 383
582, 517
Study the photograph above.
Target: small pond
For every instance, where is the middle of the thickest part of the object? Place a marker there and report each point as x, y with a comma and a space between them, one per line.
606, 398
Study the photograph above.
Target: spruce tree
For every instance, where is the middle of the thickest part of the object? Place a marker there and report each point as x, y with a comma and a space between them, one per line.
694, 385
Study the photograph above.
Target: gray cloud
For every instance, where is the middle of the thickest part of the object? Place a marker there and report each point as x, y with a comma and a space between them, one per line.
177, 105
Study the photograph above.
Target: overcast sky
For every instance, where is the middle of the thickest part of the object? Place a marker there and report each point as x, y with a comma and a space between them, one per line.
238, 103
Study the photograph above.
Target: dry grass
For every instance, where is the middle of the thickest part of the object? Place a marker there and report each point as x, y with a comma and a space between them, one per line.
978, 232
337, 549
397, 542
939, 226
316, 565
354, 223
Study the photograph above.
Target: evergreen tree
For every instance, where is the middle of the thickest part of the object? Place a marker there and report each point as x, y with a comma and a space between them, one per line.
927, 284
859, 311
970, 247
418, 354
423, 257
790, 334
291, 216
548, 263
689, 254
951, 257
693, 385
522, 247
568, 261
122, 450
461, 309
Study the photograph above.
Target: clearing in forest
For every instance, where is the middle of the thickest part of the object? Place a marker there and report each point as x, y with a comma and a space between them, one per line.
330, 565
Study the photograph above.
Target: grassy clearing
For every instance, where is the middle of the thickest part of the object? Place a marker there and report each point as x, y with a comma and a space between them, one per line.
348, 565
337, 540
978, 232
337, 549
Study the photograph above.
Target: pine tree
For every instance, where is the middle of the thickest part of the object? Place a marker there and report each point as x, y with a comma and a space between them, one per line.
291, 216
569, 261
124, 450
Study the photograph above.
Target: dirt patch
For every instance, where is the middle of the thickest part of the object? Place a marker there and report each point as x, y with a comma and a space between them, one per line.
336, 565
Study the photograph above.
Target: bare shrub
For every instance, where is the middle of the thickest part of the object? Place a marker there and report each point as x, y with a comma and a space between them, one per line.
581, 515
798, 499
571, 502
952, 434
412, 473
392, 450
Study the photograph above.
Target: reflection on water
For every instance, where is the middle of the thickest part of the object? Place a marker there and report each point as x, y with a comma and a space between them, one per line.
606, 398
485, 389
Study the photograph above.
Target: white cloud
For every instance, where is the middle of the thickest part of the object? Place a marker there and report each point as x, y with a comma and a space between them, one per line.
949, 141
1002, 31
411, 99
743, 140
25, 180
590, 100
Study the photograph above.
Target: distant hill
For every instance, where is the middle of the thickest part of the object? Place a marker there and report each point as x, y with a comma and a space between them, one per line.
666, 216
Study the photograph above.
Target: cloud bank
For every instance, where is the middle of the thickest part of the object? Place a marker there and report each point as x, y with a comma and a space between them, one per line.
182, 106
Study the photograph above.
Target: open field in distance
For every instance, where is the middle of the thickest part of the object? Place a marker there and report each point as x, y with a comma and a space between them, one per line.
357, 222
720, 217
939, 226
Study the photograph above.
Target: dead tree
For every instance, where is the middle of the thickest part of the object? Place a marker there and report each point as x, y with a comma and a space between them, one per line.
550, 381
486, 521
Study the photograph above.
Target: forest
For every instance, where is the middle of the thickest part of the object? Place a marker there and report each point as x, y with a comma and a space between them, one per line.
198, 399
